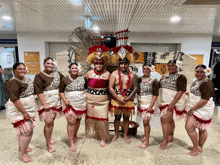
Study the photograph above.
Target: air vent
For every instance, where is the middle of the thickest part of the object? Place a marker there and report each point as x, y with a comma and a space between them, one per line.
202, 2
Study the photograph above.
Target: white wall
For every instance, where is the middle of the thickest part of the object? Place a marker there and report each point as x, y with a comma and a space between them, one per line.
190, 43
35, 42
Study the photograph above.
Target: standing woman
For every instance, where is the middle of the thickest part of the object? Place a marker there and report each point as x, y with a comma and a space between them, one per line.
201, 108
147, 96
74, 98
21, 108
46, 86
97, 94
171, 101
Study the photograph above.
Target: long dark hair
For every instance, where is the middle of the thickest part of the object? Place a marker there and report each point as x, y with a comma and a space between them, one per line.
200, 66
48, 58
146, 65
74, 63
173, 61
17, 64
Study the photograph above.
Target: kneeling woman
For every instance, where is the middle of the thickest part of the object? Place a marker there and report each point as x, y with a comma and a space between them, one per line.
46, 86
21, 108
74, 98
147, 96
201, 108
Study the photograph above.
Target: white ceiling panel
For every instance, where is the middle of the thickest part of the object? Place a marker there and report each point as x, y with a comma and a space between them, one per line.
111, 15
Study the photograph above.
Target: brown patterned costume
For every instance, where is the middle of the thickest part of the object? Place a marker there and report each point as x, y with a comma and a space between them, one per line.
49, 86
202, 89
75, 94
23, 91
147, 90
169, 86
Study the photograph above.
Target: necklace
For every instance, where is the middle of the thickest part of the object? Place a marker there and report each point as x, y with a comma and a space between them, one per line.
50, 75
146, 77
128, 83
98, 73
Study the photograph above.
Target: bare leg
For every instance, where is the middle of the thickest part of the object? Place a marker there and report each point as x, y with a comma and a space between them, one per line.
48, 129
25, 141
76, 130
71, 126
126, 127
193, 136
202, 137
147, 133
116, 125
19, 146
172, 126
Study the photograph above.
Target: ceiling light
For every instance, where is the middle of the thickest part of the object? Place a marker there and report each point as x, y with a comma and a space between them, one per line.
175, 19
95, 28
76, 1
6, 18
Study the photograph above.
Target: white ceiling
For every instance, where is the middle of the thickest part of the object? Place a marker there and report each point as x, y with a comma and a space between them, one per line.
110, 15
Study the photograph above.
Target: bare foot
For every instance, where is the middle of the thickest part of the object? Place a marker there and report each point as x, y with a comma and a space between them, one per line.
195, 151
163, 145
73, 148
114, 138
102, 144
143, 139
28, 150
50, 148
52, 141
170, 139
191, 148
144, 144
127, 140
25, 158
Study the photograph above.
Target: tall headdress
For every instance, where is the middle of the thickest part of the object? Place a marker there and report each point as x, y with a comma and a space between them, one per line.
98, 54
123, 52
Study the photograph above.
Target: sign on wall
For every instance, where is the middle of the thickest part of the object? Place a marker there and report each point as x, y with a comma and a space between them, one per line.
32, 61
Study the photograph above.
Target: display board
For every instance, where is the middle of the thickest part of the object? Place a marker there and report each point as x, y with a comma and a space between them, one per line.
32, 61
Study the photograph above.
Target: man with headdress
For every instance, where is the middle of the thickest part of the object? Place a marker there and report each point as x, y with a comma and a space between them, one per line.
123, 87
97, 94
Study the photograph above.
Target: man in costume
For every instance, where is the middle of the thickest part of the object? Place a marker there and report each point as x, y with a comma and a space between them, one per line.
123, 87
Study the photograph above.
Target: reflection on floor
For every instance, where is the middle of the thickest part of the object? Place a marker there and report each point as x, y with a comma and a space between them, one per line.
89, 151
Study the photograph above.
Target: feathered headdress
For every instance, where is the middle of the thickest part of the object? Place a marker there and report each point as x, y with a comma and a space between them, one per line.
98, 53
122, 53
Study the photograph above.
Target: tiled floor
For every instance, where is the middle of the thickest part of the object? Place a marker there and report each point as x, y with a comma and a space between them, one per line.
89, 151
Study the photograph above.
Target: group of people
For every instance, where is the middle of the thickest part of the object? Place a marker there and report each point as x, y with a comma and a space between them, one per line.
58, 95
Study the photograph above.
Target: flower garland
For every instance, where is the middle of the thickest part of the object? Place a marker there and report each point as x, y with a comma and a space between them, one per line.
98, 73
120, 84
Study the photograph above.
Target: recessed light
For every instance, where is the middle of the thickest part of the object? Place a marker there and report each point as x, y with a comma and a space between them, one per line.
175, 19
76, 1
6, 18
95, 28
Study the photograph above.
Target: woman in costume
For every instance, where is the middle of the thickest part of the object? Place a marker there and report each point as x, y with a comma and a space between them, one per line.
97, 94
3, 95
201, 108
46, 86
21, 108
171, 101
74, 98
147, 96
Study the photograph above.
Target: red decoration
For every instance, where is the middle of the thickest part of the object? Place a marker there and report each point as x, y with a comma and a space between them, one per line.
128, 83
98, 73
127, 47
102, 47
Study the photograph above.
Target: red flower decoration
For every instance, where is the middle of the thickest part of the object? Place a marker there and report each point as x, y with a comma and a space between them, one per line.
127, 47
102, 47
128, 83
